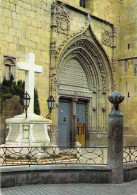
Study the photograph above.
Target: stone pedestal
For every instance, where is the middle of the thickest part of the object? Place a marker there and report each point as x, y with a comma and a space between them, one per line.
32, 131
115, 139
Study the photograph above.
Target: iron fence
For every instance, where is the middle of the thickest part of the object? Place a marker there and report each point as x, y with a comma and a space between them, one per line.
18, 156
130, 154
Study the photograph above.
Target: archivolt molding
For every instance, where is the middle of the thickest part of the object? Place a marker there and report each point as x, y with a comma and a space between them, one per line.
82, 56
84, 47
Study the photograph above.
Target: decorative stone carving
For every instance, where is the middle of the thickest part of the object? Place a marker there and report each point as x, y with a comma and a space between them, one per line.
26, 128
115, 31
107, 38
61, 19
9, 61
113, 64
53, 46
115, 98
103, 109
94, 109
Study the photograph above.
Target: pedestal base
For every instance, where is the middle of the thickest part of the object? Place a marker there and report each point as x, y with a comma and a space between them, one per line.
32, 131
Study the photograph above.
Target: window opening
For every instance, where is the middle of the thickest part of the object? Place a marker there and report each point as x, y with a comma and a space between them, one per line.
83, 3
9, 69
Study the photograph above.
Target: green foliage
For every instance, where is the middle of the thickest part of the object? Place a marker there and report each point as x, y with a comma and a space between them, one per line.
8, 88
36, 102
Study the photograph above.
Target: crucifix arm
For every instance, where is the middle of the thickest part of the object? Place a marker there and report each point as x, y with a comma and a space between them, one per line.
23, 66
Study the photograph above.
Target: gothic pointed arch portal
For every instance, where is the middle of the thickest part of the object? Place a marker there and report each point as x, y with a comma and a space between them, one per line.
83, 75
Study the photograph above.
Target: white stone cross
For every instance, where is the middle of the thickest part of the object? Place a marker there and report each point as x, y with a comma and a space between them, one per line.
30, 68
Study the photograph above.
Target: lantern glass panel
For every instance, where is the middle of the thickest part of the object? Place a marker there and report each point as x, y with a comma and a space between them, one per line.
52, 104
49, 104
25, 102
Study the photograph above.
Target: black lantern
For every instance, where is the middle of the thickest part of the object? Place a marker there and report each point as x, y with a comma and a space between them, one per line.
26, 102
50, 102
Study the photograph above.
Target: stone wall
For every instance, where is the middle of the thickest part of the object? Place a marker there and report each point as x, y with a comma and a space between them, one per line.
25, 28
127, 77
54, 175
128, 29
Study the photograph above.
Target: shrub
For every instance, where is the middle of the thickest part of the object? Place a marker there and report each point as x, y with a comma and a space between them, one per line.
9, 87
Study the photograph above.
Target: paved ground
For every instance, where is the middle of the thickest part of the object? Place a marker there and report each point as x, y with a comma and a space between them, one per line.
73, 189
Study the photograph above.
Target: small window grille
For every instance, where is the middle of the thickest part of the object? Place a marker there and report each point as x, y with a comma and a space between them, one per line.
83, 3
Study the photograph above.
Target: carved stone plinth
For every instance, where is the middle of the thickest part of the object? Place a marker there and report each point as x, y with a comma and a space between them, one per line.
115, 138
32, 131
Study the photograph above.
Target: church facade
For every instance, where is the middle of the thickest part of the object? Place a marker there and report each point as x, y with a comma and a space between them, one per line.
87, 49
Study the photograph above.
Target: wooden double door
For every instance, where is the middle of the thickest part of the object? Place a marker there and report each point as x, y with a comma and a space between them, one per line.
66, 122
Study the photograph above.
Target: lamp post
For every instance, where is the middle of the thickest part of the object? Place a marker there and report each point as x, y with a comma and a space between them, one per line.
26, 102
50, 102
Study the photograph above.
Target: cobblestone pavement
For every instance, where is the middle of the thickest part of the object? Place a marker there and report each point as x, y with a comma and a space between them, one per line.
73, 189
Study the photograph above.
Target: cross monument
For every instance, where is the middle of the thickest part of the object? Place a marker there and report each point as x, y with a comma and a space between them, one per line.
30, 68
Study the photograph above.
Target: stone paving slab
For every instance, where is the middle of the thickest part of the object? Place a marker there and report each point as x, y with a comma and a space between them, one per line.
129, 188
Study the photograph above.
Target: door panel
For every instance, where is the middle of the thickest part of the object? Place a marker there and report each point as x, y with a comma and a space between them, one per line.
81, 122
81, 112
80, 134
64, 123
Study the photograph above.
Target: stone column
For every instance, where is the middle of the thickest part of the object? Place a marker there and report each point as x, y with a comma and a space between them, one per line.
74, 122
115, 138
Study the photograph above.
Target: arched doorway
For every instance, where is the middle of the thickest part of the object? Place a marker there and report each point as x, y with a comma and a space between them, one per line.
84, 80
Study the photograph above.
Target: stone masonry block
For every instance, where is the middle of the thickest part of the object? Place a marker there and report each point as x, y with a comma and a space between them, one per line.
26, 6
20, 10
32, 14
1, 28
7, 13
12, 47
23, 41
2, 20
12, 31
8, 22
9, 38
13, 7
14, 15
15, 24
2, 37
5, 4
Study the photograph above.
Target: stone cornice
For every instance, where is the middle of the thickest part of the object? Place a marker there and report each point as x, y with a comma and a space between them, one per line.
128, 58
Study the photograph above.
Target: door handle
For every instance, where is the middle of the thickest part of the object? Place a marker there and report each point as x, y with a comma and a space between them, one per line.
64, 118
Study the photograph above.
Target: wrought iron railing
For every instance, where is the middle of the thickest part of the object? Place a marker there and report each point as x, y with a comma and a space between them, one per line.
130, 154
18, 156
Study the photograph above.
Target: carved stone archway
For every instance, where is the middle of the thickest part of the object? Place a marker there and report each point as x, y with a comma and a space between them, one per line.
85, 52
